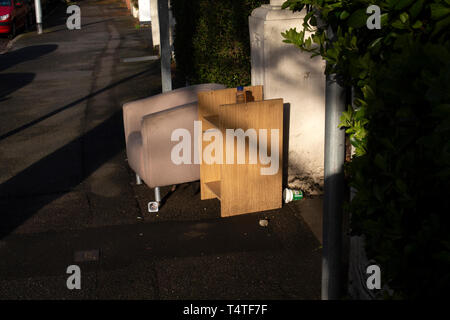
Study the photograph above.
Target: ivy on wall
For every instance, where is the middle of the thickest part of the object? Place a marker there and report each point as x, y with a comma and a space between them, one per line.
399, 124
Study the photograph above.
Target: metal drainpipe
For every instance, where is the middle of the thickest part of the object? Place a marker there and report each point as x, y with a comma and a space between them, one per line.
335, 101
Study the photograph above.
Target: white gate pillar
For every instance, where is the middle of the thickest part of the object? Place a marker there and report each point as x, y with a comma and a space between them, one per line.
287, 72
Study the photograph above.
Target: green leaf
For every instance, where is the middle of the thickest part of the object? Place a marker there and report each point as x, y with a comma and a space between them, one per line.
346, 117
384, 19
401, 186
332, 53
294, 5
344, 15
368, 92
380, 162
354, 41
294, 37
439, 11
391, 3
357, 19
387, 143
375, 42
378, 193
440, 25
416, 8
404, 17
401, 4
357, 144
399, 25
441, 110
418, 24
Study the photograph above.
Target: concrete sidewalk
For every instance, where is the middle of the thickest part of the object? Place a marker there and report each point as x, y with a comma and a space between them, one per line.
65, 184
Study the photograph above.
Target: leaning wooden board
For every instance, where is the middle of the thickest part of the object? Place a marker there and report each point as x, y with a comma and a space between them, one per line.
208, 109
241, 188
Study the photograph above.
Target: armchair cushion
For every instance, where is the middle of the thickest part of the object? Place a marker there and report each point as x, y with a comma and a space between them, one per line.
135, 153
149, 124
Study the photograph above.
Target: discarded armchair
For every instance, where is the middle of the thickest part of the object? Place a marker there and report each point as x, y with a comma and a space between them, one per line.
149, 124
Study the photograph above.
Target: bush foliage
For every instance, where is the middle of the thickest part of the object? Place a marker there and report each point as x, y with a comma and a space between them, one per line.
399, 123
212, 40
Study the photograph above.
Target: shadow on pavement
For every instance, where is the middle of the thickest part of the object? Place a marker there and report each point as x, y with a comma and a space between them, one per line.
60, 170
69, 105
56, 171
83, 25
10, 82
18, 56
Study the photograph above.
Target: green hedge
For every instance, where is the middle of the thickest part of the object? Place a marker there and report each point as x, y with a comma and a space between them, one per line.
212, 40
399, 123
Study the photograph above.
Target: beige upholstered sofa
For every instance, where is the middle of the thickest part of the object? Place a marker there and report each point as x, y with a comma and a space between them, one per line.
149, 124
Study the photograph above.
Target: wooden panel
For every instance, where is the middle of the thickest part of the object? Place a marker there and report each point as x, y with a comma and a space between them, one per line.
214, 187
212, 120
209, 102
256, 93
208, 173
208, 106
244, 189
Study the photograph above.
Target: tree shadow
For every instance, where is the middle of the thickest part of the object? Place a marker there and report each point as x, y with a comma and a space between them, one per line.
83, 25
61, 170
69, 105
57, 171
10, 82
18, 56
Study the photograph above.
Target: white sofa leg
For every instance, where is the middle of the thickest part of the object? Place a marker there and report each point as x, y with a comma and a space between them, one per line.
153, 206
157, 195
138, 179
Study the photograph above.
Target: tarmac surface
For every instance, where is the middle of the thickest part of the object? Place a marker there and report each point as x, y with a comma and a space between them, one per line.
65, 185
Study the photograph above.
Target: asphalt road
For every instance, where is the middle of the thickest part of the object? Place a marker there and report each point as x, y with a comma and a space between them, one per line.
65, 185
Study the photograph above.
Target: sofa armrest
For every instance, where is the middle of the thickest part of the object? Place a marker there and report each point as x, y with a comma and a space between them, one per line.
133, 112
157, 129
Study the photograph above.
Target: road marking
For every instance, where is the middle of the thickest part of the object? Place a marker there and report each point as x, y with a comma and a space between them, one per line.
139, 59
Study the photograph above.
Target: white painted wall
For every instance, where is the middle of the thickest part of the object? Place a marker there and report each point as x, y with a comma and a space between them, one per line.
155, 23
144, 11
288, 73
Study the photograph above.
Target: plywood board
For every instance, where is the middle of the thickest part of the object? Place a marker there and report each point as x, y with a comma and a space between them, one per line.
243, 188
209, 102
212, 120
214, 187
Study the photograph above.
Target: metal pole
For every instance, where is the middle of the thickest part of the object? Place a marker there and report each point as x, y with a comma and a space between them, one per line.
157, 195
333, 186
166, 77
37, 8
